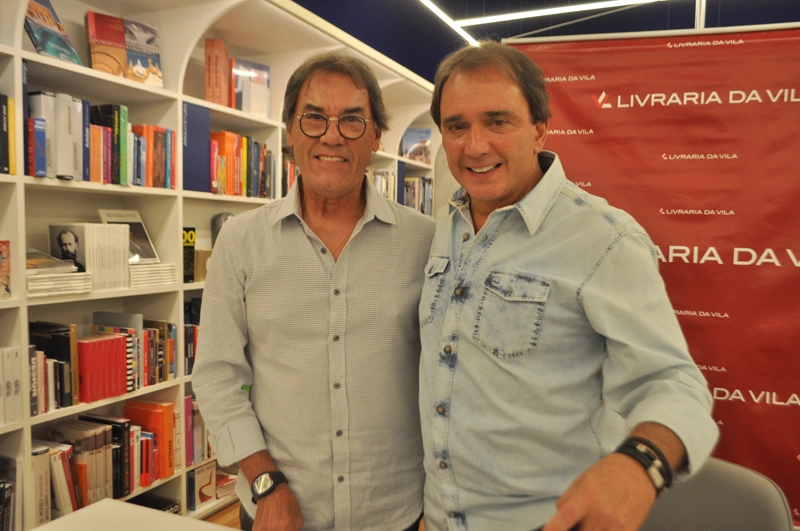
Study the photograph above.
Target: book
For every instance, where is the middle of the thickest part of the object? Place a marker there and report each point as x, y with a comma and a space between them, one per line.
11, 472
201, 485
40, 460
157, 502
58, 342
42, 105
189, 237
146, 131
36, 147
157, 418
12, 136
120, 434
144, 59
47, 33
416, 144
159, 157
217, 72
5, 269
196, 148
67, 463
64, 137
106, 37
41, 263
249, 87
113, 116
77, 141
141, 250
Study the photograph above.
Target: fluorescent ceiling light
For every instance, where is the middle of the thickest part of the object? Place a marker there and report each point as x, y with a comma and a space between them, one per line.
449, 21
540, 12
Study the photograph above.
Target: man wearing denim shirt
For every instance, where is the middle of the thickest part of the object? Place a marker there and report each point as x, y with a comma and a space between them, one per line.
556, 386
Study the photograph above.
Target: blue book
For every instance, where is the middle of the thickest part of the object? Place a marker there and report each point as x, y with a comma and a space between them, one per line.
87, 158
39, 148
134, 177
142, 161
25, 114
168, 151
196, 148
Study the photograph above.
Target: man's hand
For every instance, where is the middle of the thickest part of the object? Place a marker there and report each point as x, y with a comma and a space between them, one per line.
615, 494
278, 511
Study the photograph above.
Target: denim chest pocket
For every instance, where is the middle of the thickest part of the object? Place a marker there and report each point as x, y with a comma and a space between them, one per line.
510, 313
435, 271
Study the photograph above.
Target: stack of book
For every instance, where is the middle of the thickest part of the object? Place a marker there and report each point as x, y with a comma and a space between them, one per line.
96, 248
47, 275
146, 275
226, 484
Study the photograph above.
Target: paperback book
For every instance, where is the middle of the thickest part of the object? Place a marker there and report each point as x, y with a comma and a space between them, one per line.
106, 37
142, 250
144, 57
5, 269
249, 87
47, 33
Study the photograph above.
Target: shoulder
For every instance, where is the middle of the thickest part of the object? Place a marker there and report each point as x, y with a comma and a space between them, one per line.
598, 212
411, 219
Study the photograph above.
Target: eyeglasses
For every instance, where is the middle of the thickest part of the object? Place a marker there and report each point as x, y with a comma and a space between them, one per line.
315, 125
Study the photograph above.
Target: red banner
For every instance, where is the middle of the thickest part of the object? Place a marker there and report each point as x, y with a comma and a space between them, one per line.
697, 136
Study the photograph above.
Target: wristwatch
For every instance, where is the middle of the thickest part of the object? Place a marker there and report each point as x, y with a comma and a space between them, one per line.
265, 483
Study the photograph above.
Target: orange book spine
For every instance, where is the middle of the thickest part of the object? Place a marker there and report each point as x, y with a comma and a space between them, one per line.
162, 421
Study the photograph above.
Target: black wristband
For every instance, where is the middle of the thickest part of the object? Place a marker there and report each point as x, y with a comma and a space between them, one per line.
649, 461
656, 450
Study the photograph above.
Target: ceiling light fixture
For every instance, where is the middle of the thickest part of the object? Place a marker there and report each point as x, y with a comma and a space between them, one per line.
543, 12
449, 21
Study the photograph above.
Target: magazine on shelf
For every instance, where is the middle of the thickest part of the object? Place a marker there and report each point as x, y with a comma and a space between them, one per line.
144, 59
416, 144
249, 87
47, 33
142, 250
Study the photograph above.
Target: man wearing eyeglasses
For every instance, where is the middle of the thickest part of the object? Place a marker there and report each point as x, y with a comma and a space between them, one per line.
307, 376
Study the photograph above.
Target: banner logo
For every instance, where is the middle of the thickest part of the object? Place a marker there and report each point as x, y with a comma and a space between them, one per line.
694, 44
600, 102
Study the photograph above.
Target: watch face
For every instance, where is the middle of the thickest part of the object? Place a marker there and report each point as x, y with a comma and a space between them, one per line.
262, 483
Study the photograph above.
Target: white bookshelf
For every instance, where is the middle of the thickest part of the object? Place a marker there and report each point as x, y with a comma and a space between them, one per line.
274, 32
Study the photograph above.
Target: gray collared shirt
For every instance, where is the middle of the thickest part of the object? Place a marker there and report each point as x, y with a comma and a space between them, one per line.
330, 353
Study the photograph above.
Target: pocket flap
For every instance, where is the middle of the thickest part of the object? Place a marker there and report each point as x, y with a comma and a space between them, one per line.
517, 286
436, 266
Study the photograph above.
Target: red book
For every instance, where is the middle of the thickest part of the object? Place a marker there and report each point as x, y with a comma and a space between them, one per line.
106, 36
146, 459
86, 384
156, 417
214, 166
107, 152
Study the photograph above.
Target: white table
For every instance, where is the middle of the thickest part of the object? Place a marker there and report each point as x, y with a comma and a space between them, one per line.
115, 515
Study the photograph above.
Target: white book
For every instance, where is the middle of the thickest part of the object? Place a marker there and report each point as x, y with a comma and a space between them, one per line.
43, 105
8, 385
41, 483
77, 139
63, 140
17, 378
58, 478
3, 416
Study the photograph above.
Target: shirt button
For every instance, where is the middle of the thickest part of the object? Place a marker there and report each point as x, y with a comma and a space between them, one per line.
458, 292
442, 464
451, 514
336, 292
448, 349
339, 433
323, 250
440, 410
484, 238
340, 479
336, 338
337, 385
465, 237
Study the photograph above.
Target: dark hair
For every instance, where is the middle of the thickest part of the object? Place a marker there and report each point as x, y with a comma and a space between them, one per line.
338, 63
519, 67
60, 240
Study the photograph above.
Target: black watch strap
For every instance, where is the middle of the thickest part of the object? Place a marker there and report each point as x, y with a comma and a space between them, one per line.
265, 483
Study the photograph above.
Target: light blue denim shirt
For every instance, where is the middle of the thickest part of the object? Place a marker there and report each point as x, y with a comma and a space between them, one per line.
546, 337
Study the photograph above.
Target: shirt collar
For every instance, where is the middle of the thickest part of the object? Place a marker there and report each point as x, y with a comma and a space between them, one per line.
536, 204
377, 206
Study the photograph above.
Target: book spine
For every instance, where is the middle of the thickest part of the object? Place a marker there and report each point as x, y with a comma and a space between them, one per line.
63, 139
12, 137
25, 114
213, 166
108, 149
123, 145
87, 138
3, 133
167, 157
43, 105
77, 139
33, 381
